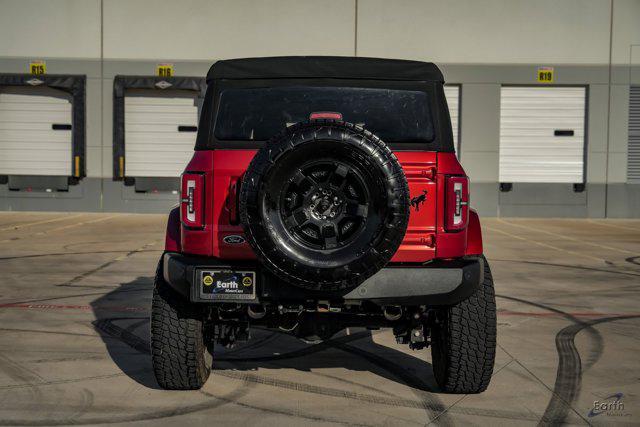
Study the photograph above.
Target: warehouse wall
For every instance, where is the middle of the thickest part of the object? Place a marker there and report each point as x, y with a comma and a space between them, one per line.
493, 32
480, 45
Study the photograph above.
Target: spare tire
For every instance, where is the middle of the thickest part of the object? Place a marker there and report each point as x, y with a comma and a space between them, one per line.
324, 205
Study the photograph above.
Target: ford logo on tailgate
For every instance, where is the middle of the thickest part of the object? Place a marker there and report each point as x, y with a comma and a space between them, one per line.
234, 239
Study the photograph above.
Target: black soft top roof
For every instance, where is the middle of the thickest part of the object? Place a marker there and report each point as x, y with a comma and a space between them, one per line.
324, 67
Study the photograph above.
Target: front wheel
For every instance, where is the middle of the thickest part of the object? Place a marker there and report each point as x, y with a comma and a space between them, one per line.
464, 341
179, 353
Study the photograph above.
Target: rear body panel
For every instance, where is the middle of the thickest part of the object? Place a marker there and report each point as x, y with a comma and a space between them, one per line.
418, 244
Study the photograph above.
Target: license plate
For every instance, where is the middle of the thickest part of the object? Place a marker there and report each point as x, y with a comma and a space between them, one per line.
229, 285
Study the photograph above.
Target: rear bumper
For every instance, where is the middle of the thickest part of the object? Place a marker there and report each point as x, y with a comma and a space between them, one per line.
437, 283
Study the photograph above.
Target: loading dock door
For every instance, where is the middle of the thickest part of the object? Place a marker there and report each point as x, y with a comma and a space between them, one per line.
633, 152
542, 134
35, 132
159, 131
452, 93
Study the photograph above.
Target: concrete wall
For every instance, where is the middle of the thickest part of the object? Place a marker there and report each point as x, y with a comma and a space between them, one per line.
480, 45
494, 32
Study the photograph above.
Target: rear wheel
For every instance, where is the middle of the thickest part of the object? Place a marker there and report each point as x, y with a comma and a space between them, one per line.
464, 341
179, 354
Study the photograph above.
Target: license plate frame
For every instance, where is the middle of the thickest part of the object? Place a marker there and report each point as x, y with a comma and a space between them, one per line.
224, 284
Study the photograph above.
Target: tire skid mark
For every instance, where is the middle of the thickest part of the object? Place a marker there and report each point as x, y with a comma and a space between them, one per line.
569, 374
596, 337
353, 383
69, 359
325, 391
279, 411
633, 260
155, 414
564, 387
81, 307
70, 296
369, 398
85, 404
434, 406
587, 314
40, 331
69, 253
132, 340
576, 267
569, 371
69, 381
19, 373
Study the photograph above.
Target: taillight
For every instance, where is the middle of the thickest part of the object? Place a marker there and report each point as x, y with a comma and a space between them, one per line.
192, 200
325, 115
456, 203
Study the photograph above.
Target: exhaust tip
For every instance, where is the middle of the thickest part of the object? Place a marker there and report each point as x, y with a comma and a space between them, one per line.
392, 312
256, 311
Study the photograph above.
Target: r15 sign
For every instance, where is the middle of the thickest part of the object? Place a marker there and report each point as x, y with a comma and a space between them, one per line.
37, 67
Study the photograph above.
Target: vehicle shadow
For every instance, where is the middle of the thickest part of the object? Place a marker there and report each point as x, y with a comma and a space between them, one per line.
122, 320
356, 351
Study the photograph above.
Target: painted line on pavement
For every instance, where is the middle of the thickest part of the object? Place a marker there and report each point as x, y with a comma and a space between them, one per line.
546, 245
19, 226
597, 245
64, 227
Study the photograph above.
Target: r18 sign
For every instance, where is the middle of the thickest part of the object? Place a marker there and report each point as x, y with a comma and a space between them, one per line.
164, 70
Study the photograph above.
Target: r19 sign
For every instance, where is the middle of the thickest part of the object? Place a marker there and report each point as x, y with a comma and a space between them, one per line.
545, 75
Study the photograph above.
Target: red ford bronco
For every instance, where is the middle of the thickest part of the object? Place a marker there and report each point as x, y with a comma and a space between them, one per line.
324, 193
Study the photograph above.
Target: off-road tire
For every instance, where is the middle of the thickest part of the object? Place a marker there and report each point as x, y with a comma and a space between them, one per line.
179, 354
464, 341
384, 221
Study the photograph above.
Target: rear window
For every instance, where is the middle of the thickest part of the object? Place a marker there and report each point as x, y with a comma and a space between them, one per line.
259, 113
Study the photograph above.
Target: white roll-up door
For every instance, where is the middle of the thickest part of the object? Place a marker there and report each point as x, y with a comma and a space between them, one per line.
452, 94
35, 134
542, 134
160, 134
633, 151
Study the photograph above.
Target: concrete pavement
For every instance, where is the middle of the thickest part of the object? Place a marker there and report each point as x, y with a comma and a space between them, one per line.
74, 303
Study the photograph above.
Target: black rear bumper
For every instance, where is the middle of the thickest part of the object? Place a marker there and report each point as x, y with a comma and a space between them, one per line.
436, 283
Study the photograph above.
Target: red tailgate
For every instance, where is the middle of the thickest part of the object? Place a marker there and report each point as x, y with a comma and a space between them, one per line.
420, 170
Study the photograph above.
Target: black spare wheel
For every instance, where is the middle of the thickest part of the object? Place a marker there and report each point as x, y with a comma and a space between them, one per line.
324, 204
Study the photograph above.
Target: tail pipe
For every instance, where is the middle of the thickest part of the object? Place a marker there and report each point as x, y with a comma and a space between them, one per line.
256, 311
392, 312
